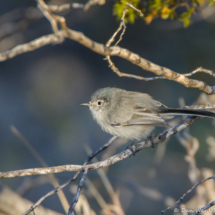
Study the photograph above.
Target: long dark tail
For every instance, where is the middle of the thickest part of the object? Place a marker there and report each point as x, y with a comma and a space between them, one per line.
179, 111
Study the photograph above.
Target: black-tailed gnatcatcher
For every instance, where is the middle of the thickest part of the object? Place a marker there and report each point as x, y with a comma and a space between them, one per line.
133, 115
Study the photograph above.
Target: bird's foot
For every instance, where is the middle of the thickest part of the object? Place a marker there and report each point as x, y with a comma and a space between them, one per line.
151, 138
130, 148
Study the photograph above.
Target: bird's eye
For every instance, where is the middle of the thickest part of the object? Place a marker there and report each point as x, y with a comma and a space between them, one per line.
99, 102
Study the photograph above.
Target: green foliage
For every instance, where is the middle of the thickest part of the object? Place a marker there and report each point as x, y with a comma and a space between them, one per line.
211, 2
120, 6
166, 9
185, 17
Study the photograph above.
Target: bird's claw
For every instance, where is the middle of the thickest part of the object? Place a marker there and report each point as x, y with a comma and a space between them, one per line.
152, 141
130, 148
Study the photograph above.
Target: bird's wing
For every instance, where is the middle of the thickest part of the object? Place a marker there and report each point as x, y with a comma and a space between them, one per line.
142, 116
136, 109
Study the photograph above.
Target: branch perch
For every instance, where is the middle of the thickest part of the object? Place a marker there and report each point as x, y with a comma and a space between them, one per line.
108, 162
112, 51
90, 157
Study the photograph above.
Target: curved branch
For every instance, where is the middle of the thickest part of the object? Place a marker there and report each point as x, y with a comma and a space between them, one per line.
108, 162
189, 191
69, 6
57, 189
80, 186
112, 51
203, 209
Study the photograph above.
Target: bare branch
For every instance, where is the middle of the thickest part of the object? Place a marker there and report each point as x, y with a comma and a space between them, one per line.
83, 206
121, 74
69, 6
200, 69
111, 40
110, 161
113, 195
106, 208
122, 24
112, 51
52, 178
90, 157
35, 44
80, 186
206, 207
93, 2
53, 19
189, 191
107, 50
134, 8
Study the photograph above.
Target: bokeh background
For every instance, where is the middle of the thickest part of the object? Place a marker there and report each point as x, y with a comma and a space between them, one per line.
41, 93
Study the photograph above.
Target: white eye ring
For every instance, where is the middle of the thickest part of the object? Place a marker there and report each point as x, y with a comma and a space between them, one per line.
99, 103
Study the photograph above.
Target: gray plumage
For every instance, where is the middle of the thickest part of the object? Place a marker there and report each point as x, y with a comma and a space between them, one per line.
132, 115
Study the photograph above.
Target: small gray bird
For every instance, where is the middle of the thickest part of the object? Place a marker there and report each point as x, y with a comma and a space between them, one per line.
133, 115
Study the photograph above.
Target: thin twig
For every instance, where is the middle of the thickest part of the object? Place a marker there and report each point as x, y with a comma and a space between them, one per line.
108, 162
147, 192
189, 191
113, 195
134, 8
191, 144
80, 186
52, 178
111, 40
93, 2
206, 207
200, 69
121, 74
90, 157
83, 206
69, 6
53, 19
121, 156
98, 197
122, 24
112, 51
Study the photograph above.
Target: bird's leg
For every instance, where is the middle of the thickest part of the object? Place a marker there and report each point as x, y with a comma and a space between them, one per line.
151, 138
130, 147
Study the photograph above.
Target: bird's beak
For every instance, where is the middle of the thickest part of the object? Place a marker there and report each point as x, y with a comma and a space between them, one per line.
85, 104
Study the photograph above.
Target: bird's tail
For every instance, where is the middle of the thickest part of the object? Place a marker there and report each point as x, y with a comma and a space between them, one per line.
180, 111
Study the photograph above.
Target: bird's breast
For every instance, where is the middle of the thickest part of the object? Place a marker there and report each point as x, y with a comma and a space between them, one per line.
133, 132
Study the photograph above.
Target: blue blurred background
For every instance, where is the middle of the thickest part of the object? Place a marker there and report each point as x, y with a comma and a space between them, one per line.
41, 93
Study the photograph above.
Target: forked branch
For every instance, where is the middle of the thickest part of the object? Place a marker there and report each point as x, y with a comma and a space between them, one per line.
189, 191
112, 51
108, 162
57, 189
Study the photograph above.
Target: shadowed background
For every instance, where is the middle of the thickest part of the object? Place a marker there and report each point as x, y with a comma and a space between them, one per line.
41, 93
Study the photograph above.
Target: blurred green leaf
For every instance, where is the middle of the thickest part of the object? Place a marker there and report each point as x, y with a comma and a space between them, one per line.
211, 2
164, 9
120, 6
185, 17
